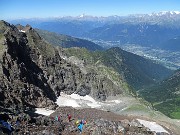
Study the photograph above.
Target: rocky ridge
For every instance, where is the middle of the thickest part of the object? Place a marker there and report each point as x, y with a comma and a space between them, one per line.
33, 73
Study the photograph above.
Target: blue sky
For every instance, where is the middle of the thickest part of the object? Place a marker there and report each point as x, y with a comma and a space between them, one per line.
12, 9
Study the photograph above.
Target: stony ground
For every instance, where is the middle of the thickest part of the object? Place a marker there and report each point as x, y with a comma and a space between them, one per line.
98, 123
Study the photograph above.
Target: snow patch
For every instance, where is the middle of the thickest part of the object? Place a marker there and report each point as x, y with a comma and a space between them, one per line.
114, 101
44, 111
22, 31
153, 126
177, 12
76, 100
66, 101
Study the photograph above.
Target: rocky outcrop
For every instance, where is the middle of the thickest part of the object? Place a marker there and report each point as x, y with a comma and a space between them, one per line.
98, 123
22, 80
33, 72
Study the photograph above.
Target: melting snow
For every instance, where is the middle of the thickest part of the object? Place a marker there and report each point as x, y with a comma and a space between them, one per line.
114, 101
64, 100
153, 126
22, 31
44, 111
76, 100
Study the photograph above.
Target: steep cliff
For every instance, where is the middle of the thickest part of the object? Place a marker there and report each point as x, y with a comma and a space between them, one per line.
33, 72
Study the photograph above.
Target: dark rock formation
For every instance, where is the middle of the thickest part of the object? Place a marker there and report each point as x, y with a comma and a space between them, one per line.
33, 73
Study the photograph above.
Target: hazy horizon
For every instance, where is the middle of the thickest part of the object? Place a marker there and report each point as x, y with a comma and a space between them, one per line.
17, 9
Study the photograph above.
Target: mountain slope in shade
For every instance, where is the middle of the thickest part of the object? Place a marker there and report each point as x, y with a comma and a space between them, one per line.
136, 70
172, 44
126, 33
68, 41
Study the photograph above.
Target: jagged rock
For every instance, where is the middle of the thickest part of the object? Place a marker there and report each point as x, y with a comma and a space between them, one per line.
83, 90
33, 73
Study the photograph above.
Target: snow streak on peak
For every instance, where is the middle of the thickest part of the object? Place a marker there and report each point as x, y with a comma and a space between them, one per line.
165, 12
81, 16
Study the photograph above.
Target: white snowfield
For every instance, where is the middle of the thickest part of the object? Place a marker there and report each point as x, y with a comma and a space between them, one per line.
76, 100
44, 111
153, 126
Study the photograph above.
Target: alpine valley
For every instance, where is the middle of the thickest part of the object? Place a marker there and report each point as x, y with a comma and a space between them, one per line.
120, 74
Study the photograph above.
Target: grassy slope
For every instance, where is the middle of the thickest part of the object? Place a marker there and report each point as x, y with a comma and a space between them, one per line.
137, 71
165, 96
134, 70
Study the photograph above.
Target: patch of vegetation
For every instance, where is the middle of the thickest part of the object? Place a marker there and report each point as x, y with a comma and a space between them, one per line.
170, 108
93, 60
81, 53
137, 71
165, 96
138, 108
1, 35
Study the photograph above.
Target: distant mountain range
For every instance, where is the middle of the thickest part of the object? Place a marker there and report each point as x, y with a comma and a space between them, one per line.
142, 34
143, 29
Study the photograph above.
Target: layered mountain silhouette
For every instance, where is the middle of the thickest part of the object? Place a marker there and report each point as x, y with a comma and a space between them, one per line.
141, 34
151, 30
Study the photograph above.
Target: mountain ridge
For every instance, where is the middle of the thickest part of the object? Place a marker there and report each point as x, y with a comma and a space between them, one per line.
128, 65
146, 30
68, 41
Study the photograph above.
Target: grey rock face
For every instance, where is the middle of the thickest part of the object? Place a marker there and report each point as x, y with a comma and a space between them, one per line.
33, 73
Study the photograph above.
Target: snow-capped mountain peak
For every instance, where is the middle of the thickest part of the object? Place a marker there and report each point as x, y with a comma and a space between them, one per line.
167, 12
81, 16
162, 13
